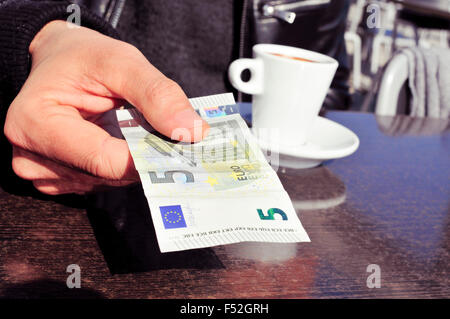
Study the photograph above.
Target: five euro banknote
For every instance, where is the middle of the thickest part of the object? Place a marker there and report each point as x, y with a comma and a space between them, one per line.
218, 191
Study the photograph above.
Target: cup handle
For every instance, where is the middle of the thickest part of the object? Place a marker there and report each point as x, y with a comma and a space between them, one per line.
255, 84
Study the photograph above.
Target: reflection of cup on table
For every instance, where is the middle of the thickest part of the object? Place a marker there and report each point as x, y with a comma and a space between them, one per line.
313, 189
288, 86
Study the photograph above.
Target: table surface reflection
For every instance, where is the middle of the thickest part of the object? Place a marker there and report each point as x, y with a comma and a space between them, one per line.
387, 204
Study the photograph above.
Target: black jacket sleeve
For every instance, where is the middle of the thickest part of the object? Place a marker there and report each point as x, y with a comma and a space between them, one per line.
20, 21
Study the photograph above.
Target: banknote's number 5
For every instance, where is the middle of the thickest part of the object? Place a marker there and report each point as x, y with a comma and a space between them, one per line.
271, 214
168, 177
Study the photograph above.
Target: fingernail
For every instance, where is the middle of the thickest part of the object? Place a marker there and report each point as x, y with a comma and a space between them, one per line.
189, 120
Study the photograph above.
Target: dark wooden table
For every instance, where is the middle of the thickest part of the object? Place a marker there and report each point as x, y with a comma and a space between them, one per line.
387, 204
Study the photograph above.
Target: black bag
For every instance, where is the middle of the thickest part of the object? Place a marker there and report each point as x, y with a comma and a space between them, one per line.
319, 26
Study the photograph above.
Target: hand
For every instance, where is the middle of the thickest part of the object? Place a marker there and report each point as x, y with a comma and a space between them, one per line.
76, 75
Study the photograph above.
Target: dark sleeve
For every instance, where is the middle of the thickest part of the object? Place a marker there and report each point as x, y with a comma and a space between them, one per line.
20, 21
330, 40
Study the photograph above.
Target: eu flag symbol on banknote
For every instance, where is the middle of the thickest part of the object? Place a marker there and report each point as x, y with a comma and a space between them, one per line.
172, 216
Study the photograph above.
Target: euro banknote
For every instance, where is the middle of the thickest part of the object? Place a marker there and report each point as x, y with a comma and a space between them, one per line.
218, 191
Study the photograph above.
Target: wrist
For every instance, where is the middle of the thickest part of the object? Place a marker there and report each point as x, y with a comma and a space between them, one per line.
51, 29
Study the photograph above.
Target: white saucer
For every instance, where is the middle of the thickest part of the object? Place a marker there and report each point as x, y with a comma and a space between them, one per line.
327, 140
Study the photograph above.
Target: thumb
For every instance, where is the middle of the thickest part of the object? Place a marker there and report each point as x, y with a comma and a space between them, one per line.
160, 99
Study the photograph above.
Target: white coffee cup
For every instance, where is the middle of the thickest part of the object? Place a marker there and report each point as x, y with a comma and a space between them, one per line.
287, 93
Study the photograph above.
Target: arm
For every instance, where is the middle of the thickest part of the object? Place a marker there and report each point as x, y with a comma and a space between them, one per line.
20, 21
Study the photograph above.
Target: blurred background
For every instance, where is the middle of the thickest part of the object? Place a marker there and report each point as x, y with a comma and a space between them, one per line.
376, 32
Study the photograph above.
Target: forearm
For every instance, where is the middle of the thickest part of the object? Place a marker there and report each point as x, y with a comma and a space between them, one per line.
21, 21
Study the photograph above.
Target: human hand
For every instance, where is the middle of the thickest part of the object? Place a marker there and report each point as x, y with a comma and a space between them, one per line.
78, 74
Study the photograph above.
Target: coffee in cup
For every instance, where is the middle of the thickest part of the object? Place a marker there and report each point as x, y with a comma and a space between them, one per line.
292, 57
